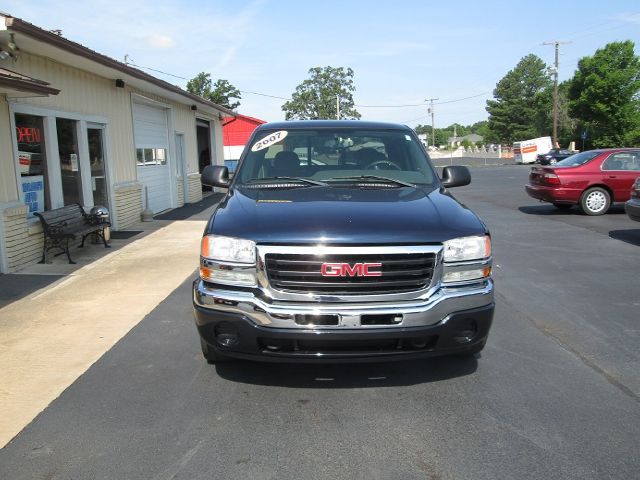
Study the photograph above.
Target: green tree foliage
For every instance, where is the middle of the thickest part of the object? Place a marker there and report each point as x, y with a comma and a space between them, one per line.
315, 98
520, 106
604, 95
221, 92
443, 134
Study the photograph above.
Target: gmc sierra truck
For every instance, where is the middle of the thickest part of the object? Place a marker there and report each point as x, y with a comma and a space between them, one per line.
337, 241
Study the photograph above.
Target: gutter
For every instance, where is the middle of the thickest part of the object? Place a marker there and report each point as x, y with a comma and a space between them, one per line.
27, 86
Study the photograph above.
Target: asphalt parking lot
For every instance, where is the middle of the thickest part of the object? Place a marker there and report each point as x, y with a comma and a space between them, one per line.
555, 395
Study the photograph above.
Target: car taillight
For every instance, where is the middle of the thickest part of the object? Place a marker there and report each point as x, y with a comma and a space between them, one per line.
551, 179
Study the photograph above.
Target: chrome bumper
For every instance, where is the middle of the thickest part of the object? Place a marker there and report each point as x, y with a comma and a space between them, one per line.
279, 314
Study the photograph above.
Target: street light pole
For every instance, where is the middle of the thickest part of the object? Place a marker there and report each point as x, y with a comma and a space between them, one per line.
433, 128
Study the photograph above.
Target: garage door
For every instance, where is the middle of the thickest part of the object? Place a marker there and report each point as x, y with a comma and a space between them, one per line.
152, 145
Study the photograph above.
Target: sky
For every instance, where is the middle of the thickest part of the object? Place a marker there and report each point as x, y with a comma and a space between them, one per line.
402, 51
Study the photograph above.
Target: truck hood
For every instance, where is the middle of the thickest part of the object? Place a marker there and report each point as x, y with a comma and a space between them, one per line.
339, 215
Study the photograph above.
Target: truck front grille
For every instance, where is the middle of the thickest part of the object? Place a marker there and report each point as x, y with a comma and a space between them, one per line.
303, 273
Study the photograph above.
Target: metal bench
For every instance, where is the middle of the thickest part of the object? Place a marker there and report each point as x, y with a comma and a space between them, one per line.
63, 225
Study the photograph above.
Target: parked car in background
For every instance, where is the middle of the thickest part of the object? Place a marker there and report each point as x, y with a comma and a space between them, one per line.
593, 179
632, 207
526, 151
553, 156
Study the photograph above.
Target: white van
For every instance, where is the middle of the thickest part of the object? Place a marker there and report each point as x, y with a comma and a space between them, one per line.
527, 150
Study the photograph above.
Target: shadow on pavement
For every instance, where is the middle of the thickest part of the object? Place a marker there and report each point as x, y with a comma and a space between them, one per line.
355, 375
13, 287
191, 209
631, 236
547, 209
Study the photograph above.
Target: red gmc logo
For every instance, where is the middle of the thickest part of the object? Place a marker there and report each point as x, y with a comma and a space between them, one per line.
347, 270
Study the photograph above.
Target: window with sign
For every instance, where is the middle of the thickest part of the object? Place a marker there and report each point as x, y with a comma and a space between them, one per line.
32, 162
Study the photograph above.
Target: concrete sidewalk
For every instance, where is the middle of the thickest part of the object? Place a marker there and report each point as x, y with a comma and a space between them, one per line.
50, 336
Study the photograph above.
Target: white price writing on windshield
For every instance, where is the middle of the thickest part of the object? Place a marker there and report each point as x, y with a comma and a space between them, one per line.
269, 140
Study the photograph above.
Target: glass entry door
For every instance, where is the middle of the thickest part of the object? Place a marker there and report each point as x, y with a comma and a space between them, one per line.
69, 160
95, 134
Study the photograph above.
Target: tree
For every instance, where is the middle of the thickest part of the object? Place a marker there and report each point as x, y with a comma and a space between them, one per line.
315, 98
221, 93
520, 107
604, 96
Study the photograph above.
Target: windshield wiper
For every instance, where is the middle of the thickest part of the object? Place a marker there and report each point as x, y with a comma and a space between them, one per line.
376, 177
308, 181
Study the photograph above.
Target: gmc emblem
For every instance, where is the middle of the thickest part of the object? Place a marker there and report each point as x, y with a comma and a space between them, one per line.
347, 270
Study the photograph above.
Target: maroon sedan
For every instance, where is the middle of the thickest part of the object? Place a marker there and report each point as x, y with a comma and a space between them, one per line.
592, 179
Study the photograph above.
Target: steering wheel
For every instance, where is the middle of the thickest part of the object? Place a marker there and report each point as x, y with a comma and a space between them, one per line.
374, 165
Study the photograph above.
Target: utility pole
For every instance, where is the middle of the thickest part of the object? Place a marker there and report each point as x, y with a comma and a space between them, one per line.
557, 44
433, 128
337, 107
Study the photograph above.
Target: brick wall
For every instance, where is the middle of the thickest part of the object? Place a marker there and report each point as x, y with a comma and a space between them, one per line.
195, 188
128, 204
23, 239
180, 191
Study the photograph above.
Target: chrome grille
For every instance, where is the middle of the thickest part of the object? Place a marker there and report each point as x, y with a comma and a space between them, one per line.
400, 272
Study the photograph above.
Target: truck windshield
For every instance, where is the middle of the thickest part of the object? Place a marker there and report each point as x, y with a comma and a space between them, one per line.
337, 156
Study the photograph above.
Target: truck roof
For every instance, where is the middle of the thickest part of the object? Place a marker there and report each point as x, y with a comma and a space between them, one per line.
332, 124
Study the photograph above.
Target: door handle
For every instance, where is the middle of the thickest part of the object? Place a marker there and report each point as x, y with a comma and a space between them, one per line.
613, 176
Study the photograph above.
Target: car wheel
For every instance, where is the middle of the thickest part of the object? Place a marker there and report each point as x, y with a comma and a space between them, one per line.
595, 201
553, 161
210, 355
562, 206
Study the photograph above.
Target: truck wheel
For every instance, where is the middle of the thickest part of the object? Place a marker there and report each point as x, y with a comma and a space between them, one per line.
595, 201
210, 355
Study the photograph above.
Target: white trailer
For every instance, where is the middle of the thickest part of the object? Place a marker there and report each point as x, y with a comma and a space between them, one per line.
527, 150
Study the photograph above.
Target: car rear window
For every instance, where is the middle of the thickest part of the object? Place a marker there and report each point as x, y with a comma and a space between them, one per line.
578, 159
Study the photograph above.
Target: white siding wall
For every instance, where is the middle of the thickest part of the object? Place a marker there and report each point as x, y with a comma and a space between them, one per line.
83, 93
8, 188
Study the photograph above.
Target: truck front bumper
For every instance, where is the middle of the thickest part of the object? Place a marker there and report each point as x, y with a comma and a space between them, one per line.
238, 324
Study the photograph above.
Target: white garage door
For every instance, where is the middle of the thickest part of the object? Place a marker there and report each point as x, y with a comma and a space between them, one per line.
152, 145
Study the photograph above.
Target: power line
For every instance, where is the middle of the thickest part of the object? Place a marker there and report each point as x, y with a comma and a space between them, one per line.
264, 95
154, 70
405, 105
416, 119
391, 106
465, 98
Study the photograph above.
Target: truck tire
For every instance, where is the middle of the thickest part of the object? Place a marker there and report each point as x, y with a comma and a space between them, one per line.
595, 201
210, 355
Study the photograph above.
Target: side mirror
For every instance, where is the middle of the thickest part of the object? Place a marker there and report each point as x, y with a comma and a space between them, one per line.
215, 176
456, 176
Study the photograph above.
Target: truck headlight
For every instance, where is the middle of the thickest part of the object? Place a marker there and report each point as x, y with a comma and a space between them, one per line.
466, 275
228, 249
466, 249
228, 260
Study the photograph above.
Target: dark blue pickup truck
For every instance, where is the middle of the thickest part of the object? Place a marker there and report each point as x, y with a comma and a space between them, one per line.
337, 241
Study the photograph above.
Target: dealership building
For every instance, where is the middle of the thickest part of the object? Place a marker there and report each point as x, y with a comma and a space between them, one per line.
79, 127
